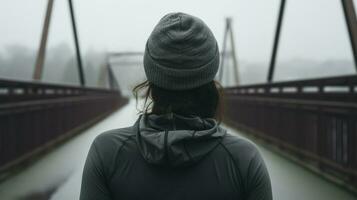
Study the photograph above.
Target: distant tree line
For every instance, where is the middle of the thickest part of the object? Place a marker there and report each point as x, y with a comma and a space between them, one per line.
17, 62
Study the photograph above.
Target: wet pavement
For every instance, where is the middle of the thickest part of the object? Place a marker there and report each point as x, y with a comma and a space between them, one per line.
57, 175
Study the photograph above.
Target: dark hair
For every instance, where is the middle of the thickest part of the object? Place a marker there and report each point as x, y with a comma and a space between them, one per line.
204, 101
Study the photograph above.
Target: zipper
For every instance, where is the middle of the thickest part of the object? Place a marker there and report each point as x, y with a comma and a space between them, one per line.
172, 119
166, 155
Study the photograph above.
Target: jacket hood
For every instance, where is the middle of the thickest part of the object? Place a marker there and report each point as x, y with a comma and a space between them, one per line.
176, 140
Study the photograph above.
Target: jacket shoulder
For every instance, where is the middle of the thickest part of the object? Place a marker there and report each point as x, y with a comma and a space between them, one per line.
251, 166
239, 147
109, 144
114, 136
244, 154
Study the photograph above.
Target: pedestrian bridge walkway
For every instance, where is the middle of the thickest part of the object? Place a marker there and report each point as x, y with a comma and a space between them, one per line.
57, 174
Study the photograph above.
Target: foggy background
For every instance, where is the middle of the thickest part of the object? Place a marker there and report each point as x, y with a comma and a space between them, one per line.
314, 43
314, 39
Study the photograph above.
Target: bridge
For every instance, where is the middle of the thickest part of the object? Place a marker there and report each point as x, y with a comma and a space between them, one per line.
305, 129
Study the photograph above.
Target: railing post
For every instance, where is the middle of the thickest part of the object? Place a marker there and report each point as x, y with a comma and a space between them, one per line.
276, 41
351, 142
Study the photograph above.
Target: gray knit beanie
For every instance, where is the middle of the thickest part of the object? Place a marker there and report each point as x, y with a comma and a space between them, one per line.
181, 53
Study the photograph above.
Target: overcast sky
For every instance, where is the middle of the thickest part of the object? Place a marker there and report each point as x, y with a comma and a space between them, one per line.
312, 29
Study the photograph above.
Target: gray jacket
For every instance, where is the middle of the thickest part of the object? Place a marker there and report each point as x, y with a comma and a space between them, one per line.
174, 157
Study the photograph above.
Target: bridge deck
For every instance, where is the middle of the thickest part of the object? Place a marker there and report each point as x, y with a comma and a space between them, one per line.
58, 173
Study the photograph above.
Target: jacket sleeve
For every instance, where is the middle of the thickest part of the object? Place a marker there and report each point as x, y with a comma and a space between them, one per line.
259, 186
94, 186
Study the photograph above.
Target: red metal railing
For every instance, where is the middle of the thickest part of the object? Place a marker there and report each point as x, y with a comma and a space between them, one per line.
34, 115
315, 120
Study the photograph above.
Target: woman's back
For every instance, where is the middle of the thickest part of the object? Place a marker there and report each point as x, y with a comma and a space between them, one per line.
174, 157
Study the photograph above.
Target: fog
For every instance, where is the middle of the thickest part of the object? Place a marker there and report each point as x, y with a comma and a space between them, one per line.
314, 39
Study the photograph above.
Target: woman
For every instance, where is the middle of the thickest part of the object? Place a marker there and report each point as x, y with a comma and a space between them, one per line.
176, 149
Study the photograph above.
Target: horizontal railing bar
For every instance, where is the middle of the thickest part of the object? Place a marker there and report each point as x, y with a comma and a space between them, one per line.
330, 81
27, 84
48, 101
347, 105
